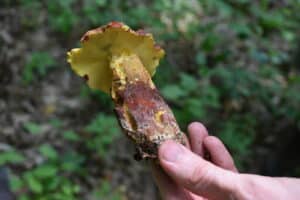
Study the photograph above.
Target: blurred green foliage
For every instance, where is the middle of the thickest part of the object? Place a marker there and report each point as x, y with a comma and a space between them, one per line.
50, 178
107, 192
228, 64
38, 65
104, 130
32, 128
11, 156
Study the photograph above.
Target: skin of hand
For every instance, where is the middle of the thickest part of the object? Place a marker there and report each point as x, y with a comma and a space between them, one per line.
183, 173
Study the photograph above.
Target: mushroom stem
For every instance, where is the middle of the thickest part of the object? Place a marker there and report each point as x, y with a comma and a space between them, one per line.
140, 109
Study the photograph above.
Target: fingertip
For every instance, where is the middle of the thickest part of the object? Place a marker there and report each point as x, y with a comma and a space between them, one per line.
197, 127
197, 133
165, 146
169, 151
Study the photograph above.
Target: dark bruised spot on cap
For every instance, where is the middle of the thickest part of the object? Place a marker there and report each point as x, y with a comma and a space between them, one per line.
84, 38
157, 47
86, 77
141, 32
115, 24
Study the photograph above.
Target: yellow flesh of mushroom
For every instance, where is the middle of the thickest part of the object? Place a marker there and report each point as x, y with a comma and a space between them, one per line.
95, 56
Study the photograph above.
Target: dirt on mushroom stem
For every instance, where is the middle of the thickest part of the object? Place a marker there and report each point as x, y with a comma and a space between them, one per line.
143, 114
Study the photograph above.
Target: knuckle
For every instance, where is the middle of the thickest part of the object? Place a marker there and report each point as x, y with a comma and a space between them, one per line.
198, 176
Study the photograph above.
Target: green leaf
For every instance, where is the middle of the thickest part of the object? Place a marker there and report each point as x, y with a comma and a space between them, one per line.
210, 41
104, 124
71, 136
173, 92
45, 171
11, 156
33, 184
288, 35
72, 161
200, 58
16, 183
53, 183
38, 64
101, 2
57, 123
24, 197
242, 30
32, 128
104, 129
67, 189
48, 151
188, 83
272, 20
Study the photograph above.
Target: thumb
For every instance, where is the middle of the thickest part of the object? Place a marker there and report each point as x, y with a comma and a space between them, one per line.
196, 174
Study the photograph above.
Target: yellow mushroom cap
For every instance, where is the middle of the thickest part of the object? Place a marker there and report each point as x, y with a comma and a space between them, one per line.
92, 60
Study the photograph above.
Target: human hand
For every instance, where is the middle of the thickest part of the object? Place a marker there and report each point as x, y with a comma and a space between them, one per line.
184, 173
192, 171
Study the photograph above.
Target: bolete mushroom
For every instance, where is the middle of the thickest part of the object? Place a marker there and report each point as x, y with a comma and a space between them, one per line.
119, 61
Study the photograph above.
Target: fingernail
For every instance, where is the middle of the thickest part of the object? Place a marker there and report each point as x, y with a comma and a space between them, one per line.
172, 151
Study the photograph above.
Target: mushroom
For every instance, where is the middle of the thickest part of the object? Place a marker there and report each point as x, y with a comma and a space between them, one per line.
119, 61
